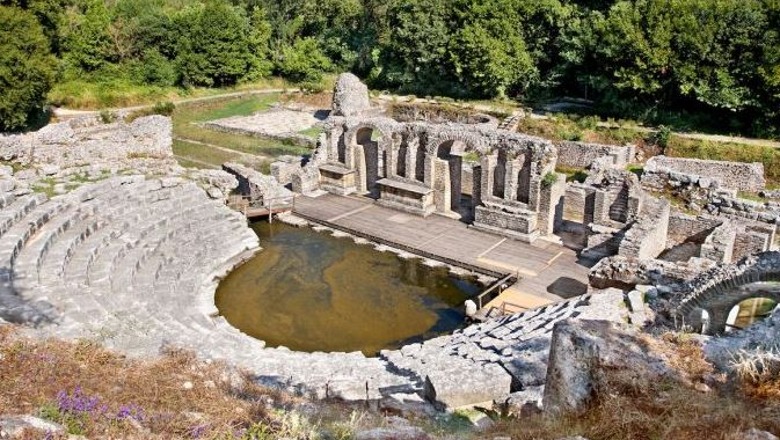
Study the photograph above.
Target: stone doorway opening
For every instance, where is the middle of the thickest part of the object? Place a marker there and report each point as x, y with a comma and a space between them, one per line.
371, 160
456, 178
749, 312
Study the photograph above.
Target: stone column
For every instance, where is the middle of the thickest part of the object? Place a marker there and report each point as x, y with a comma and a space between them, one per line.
430, 171
334, 138
412, 144
476, 194
488, 165
349, 153
361, 173
392, 155
511, 181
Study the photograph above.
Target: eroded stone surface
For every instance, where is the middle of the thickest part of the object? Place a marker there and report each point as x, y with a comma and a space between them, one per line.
583, 352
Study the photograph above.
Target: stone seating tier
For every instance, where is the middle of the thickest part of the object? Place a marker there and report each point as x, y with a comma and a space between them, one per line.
135, 262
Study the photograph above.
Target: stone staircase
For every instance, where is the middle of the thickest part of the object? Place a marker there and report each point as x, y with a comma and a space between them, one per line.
511, 122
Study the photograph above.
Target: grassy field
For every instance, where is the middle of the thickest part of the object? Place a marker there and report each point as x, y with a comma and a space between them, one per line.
587, 129
186, 118
770, 157
90, 95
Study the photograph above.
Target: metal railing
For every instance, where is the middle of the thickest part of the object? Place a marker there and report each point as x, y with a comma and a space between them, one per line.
247, 203
494, 290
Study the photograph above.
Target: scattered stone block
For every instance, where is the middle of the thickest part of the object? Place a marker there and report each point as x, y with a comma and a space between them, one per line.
466, 383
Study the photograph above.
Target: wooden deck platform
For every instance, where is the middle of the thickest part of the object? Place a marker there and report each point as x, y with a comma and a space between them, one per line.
253, 213
548, 272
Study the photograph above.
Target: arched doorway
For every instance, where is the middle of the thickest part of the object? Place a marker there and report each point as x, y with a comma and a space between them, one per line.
748, 312
453, 185
370, 160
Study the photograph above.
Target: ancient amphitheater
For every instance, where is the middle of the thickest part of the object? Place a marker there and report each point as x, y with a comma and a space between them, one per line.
131, 252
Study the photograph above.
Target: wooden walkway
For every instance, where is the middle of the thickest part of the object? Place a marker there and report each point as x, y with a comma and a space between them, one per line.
548, 272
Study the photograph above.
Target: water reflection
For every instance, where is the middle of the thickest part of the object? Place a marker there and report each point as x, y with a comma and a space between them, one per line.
310, 291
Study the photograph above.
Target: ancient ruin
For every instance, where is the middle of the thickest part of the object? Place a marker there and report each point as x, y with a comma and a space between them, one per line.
128, 247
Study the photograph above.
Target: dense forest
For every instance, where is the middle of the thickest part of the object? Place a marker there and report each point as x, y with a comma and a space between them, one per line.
718, 60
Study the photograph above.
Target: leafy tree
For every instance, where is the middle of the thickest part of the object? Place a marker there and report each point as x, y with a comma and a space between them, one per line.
50, 14
26, 68
87, 44
213, 48
303, 61
415, 53
260, 64
490, 64
155, 69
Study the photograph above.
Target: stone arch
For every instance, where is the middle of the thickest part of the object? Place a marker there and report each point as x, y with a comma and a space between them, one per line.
368, 156
720, 289
444, 172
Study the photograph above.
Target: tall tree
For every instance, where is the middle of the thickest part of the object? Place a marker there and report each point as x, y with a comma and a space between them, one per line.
26, 68
214, 46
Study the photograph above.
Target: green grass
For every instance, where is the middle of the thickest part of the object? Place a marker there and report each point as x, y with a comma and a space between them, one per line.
117, 92
192, 155
733, 152
203, 153
187, 116
243, 106
312, 132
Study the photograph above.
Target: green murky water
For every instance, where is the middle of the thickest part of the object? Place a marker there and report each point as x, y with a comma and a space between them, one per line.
310, 291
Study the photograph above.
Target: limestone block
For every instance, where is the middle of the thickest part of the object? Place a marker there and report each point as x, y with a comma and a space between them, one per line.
580, 354
350, 96
461, 383
13, 426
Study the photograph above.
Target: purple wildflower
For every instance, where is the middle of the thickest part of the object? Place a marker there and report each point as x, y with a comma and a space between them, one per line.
198, 431
131, 411
78, 403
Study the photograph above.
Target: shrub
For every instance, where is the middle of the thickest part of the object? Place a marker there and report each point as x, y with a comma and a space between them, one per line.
26, 68
107, 117
549, 179
303, 62
155, 69
164, 108
161, 108
759, 371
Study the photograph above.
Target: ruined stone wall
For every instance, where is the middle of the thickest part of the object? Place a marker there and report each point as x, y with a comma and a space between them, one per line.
582, 155
578, 203
619, 271
748, 242
683, 227
719, 245
65, 146
550, 208
257, 186
732, 175
768, 212
646, 238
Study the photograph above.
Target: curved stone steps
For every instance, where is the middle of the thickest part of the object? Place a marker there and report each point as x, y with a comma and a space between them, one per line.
30, 259
12, 242
136, 259
18, 209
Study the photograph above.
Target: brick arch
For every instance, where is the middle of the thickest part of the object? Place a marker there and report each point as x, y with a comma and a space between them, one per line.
472, 141
386, 127
718, 290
